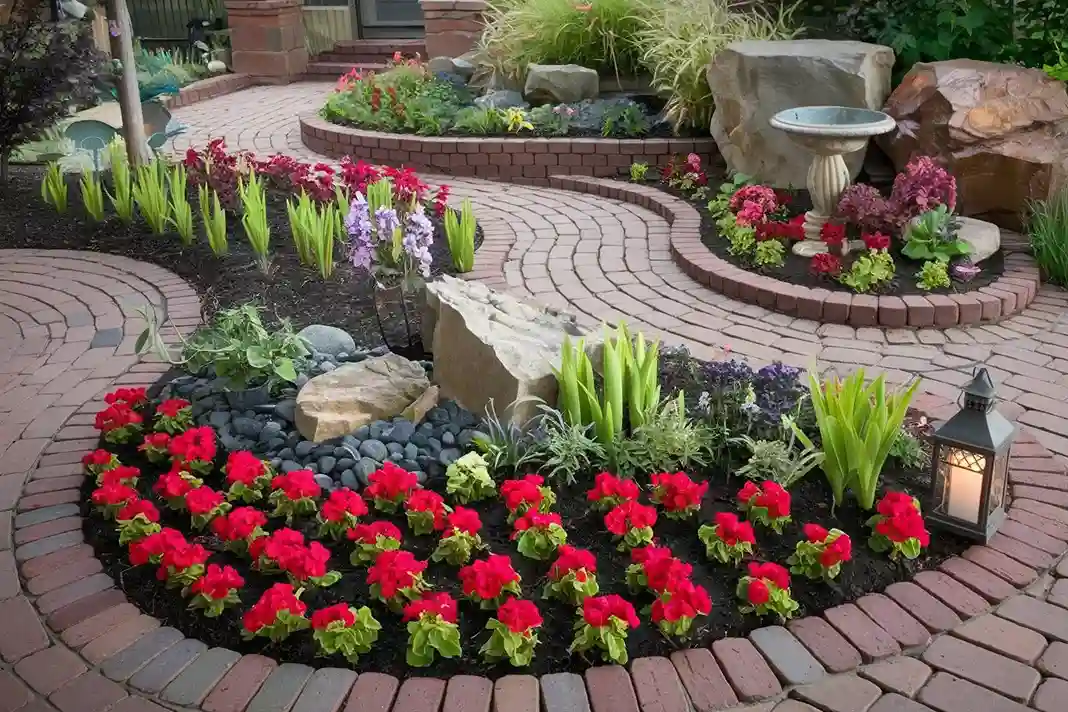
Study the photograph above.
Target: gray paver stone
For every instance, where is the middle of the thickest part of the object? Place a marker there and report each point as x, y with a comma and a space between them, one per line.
325, 691
123, 664
46, 514
168, 665
196, 681
281, 689
564, 692
788, 658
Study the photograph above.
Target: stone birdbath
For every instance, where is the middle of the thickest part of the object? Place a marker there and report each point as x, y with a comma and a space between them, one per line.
828, 132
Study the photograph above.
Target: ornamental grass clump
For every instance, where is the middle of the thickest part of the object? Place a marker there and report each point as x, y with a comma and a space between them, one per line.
92, 196
254, 218
314, 227
858, 424
54, 187
213, 216
121, 197
1048, 229
461, 235
181, 216
151, 195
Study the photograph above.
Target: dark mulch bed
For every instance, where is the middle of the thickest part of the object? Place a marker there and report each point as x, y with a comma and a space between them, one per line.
291, 290
867, 572
796, 269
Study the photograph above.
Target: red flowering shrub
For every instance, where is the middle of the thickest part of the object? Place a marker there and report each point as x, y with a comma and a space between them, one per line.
277, 614
216, 590
155, 446
138, 519
293, 494
174, 416
792, 229
120, 475
340, 512
604, 625
112, 497
345, 630
99, 461
768, 504
675, 610
119, 423
514, 633
487, 581
373, 539
195, 449
821, 556
396, 576
267, 552
632, 524
833, 235
306, 566
205, 504
525, 494
729, 540
390, 486
247, 475
150, 549
133, 397
610, 491
826, 264
766, 590
460, 537
656, 569
539, 534
173, 486
876, 240
573, 576
432, 629
898, 527
181, 565
240, 528
426, 512
678, 494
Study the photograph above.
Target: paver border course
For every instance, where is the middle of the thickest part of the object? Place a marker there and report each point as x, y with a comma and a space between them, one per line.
1009, 294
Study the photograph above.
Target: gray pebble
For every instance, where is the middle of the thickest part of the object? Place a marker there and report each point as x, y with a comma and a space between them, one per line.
448, 456
377, 429
420, 476
287, 454
362, 432
276, 444
341, 452
348, 479
289, 466
271, 429
313, 466
304, 448
448, 439
286, 409
402, 431
396, 456
292, 439
374, 450
409, 465
302, 378
327, 463
345, 463
433, 447
219, 418
411, 451
201, 392
275, 462
394, 448
323, 450
364, 469
327, 366
466, 438
325, 481
420, 440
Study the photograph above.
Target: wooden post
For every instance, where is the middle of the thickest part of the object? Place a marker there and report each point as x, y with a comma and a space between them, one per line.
133, 122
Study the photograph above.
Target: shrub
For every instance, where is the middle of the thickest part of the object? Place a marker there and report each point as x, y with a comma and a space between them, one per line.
46, 69
1048, 228
873, 270
933, 275
405, 97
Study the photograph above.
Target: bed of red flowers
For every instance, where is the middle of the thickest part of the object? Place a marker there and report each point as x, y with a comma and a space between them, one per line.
402, 578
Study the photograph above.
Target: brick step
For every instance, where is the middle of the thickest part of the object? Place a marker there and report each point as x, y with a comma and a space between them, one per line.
336, 56
336, 69
377, 50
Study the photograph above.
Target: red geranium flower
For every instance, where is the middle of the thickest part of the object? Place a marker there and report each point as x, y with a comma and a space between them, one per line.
115, 416
297, 484
337, 612
238, 524
342, 502
394, 570
572, 559
129, 396
464, 520
663, 571
901, 520
833, 234
304, 563
180, 558
757, 592
770, 496
155, 441
142, 551
202, 500
279, 597
839, 550
771, 572
598, 611
826, 263
519, 615
684, 601
244, 467
113, 495
98, 458
437, 604
629, 515
195, 444
677, 493
121, 475
876, 241
391, 483
616, 490
369, 533
217, 582
733, 530
536, 520
487, 578
526, 491
136, 507
171, 407
424, 500
276, 545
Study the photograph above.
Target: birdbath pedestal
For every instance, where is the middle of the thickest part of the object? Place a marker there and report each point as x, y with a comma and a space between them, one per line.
828, 132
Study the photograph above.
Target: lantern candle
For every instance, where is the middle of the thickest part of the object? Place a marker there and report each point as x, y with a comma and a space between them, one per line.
965, 488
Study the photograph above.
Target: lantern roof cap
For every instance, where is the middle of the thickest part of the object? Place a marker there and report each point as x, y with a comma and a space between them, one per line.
981, 385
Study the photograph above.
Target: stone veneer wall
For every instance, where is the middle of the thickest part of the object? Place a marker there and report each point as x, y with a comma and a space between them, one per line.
452, 26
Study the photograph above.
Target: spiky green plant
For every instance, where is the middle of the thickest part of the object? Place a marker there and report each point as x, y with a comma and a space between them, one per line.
214, 218
54, 187
181, 211
461, 235
150, 194
121, 181
92, 196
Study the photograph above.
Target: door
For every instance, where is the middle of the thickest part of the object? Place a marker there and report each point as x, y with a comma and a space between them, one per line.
391, 18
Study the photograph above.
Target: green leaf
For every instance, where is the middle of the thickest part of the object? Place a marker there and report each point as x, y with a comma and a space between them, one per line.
283, 368
256, 357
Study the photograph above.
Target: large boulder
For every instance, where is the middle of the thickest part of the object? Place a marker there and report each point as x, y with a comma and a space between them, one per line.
753, 80
490, 346
355, 394
560, 83
1001, 129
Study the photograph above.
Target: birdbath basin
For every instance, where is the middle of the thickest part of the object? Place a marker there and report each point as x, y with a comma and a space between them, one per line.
828, 132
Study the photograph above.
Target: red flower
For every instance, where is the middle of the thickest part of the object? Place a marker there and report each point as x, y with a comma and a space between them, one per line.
279, 597
171, 407
677, 492
901, 519
337, 612
304, 563
217, 582
664, 573
536, 520
826, 263
770, 572
391, 483
486, 578
814, 533
833, 234
733, 530
342, 502
629, 515
121, 475
757, 592
839, 550
129, 396
156, 441
519, 615
770, 496
598, 611
194, 444
244, 467
180, 558
526, 491
441, 200
138, 506
97, 458
424, 500
202, 500
112, 495
684, 601
369, 533
394, 570
572, 559
277, 545
154, 545
649, 553
297, 484
876, 241
238, 524
608, 486
115, 416
435, 604
464, 520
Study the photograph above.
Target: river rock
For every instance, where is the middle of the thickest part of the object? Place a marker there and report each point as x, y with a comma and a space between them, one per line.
328, 340
491, 346
374, 450
1002, 130
560, 83
752, 80
355, 394
501, 99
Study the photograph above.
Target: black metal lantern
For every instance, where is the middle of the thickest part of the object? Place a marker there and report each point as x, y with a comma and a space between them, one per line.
969, 465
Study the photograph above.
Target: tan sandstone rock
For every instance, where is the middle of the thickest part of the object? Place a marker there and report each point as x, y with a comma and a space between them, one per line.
492, 346
354, 394
1001, 129
753, 80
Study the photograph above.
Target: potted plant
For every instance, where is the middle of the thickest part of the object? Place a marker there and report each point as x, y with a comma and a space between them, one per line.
237, 347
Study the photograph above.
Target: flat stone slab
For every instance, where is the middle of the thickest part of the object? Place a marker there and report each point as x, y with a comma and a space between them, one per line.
159, 673
564, 692
281, 689
195, 682
788, 658
123, 664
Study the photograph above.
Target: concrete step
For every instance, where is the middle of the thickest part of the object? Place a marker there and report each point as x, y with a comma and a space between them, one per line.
336, 69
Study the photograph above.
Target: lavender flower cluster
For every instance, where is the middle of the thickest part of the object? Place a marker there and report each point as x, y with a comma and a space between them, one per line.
366, 237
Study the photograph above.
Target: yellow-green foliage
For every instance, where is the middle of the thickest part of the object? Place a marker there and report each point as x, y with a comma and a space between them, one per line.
257, 229
214, 218
92, 196
181, 210
121, 181
150, 193
54, 187
461, 235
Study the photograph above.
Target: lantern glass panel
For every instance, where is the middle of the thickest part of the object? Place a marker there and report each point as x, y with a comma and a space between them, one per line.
961, 475
997, 481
